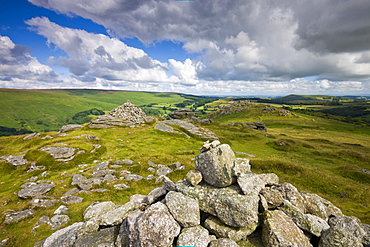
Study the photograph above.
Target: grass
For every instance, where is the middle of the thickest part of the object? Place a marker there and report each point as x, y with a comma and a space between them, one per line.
320, 156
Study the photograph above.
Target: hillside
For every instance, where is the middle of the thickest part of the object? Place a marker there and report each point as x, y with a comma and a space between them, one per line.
49, 109
322, 156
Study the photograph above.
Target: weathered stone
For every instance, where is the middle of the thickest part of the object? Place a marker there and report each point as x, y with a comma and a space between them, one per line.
82, 182
168, 183
215, 165
308, 222
58, 221
319, 206
227, 204
269, 178
31, 136
96, 210
250, 183
155, 195
31, 190
241, 166
273, 197
214, 225
223, 242
72, 191
194, 177
290, 193
279, 230
193, 236
209, 145
62, 154
181, 113
183, 208
135, 177
70, 127
15, 160
92, 138
65, 237
138, 200
163, 171
166, 128
117, 215
344, 231
61, 210
198, 131
71, 199
103, 238
42, 203
155, 227
120, 186
18, 216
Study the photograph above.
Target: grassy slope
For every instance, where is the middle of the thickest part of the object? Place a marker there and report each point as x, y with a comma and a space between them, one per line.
319, 156
46, 110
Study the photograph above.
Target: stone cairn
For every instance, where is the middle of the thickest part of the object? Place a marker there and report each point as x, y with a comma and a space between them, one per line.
220, 203
125, 115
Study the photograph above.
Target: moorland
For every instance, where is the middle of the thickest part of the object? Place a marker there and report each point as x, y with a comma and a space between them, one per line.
309, 142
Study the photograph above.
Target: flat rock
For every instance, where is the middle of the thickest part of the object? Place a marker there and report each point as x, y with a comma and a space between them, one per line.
117, 215
62, 154
15, 160
82, 182
31, 190
71, 199
70, 127
61, 210
18, 216
163, 171
198, 131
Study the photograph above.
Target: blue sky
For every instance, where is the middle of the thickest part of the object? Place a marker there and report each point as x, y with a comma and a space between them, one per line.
209, 47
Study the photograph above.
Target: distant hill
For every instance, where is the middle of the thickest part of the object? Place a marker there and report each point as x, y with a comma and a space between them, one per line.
49, 109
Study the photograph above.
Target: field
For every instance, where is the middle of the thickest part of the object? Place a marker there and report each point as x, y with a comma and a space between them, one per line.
318, 155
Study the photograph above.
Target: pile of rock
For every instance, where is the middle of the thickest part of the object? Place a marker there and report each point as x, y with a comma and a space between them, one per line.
125, 115
219, 204
234, 107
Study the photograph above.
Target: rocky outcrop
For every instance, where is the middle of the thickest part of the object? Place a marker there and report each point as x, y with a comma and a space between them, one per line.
70, 127
251, 125
15, 160
34, 190
181, 113
61, 154
125, 115
220, 204
198, 131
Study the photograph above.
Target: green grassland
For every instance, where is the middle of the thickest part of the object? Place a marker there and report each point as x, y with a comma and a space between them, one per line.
317, 155
48, 110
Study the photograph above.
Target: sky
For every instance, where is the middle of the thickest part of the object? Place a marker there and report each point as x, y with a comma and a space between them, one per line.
202, 47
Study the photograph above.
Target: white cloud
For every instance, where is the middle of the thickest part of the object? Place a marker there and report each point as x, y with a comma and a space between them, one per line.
16, 64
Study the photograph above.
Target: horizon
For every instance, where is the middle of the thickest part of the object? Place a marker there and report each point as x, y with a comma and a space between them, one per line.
191, 47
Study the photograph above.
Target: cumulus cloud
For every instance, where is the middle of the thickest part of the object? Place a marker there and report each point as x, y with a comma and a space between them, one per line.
245, 40
96, 55
17, 65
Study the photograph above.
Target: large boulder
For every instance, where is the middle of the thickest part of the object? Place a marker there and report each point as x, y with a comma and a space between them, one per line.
65, 237
96, 210
70, 127
279, 230
291, 193
153, 227
228, 204
319, 206
183, 208
344, 231
216, 165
